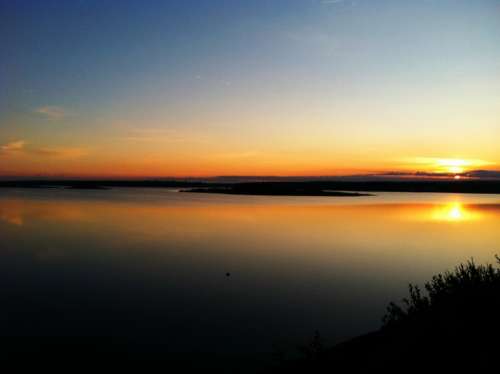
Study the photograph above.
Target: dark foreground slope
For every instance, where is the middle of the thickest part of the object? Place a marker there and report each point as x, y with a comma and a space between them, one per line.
455, 326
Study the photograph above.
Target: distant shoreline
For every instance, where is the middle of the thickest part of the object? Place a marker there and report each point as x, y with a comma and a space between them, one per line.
271, 192
301, 188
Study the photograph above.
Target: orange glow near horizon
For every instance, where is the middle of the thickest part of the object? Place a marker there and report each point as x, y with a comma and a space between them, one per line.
455, 166
158, 155
210, 165
281, 94
447, 165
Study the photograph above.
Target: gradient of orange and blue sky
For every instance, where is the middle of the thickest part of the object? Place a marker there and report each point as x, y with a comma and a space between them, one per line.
238, 87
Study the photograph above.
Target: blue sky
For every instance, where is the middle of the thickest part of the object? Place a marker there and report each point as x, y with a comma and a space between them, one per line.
263, 79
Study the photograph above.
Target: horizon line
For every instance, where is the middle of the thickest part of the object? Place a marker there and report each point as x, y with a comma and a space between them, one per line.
398, 175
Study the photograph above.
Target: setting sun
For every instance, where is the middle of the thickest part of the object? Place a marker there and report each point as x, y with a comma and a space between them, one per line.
455, 166
447, 165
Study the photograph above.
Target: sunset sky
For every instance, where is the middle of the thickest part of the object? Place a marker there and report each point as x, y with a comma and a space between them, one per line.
238, 87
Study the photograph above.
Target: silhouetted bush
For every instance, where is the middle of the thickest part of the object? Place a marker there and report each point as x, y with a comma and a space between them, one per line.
453, 321
315, 349
470, 288
452, 324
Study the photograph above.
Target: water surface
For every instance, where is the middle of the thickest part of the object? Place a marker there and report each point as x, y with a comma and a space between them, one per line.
150, 265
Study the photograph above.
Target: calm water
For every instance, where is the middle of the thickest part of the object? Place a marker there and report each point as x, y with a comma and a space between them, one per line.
150, 265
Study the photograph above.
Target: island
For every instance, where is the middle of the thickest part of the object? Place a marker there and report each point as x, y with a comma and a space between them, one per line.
273, 190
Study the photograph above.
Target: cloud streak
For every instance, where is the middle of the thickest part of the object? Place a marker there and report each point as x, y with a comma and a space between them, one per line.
163, 135
237, 155
15, 146
60, 152
332, 2
19, 147
447, 164
51, 112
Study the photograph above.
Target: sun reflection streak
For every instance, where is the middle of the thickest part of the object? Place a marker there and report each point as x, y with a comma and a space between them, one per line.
454, 212
451, 212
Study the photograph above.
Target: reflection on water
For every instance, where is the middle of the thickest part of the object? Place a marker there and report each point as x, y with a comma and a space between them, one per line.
15, 211
451, 212
454, 212
157, 260
11, 216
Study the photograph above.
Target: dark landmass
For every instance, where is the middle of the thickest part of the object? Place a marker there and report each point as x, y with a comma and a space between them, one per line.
302, 188
87, 187
452, 325
99, 184
318, 187
273, 191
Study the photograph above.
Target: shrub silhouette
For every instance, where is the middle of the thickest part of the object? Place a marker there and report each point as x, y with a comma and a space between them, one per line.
452, 324
455, 320
314, 349
470, 290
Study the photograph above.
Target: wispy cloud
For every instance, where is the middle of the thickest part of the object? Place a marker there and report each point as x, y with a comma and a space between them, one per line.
237, 155
447, 162
51, 112
316, 39
19, 147
478, 174
60, 152
332, 1
15, 146
339, 2
484, 174
163, 135
150, 134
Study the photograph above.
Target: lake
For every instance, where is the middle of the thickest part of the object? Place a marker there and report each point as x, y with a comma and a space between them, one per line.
228, 276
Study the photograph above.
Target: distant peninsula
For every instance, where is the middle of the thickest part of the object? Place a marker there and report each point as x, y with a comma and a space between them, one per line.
274, 191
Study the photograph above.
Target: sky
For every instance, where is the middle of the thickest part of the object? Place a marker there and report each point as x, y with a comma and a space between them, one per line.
189, 88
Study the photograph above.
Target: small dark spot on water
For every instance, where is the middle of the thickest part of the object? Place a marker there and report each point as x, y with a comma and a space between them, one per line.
228, 274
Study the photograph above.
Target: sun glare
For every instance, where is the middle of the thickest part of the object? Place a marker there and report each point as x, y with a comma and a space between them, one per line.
454, 166
454, 212
448, 165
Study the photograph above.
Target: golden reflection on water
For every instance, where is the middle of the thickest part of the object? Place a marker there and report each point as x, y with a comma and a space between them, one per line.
153, 216
17, 211
455, 212
329, 235
11, 216
346, 256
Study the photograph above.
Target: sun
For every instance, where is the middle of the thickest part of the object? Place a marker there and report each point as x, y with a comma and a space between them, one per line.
452, 165
455, 169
